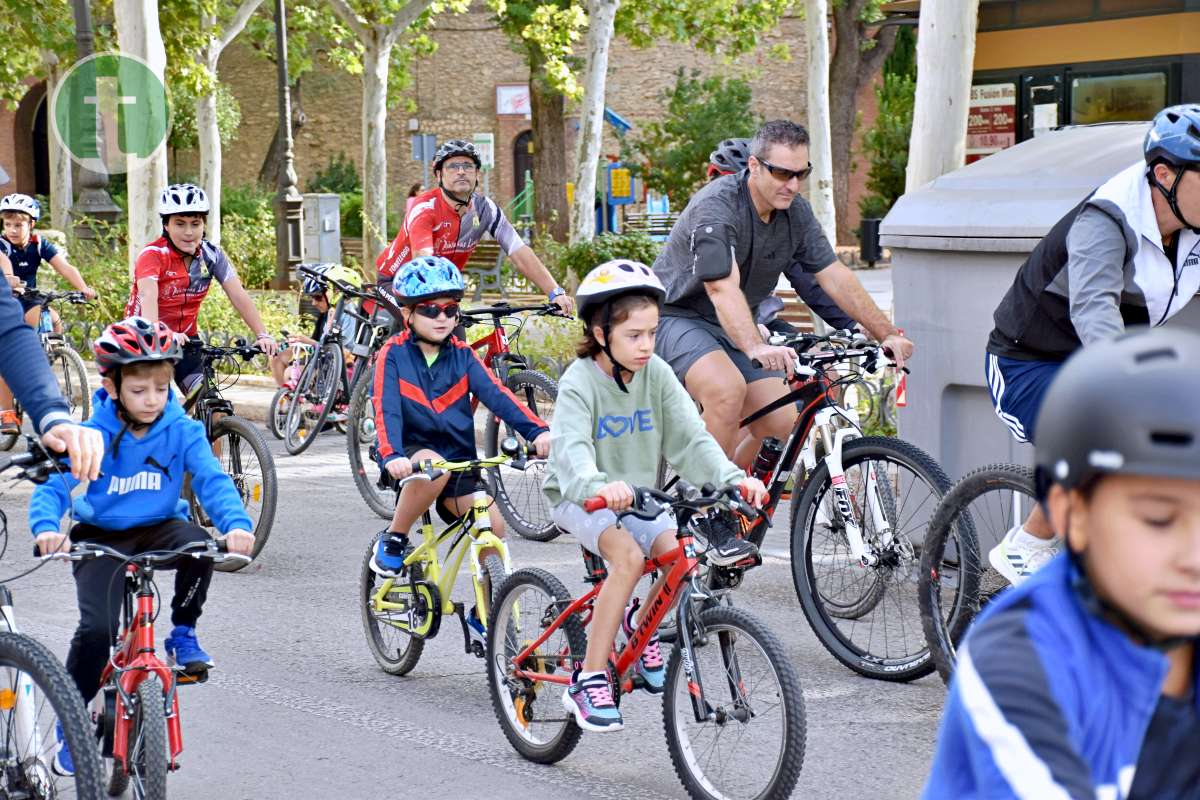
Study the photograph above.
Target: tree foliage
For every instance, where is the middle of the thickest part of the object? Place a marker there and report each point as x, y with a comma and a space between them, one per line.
32, 33
183, 134
886, 144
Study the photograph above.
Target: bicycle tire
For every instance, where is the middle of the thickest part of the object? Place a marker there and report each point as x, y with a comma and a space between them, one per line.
50, 679
944, 632
887, 405
147, 751
723, 626
315, 394
73, 382
404, 660
359, 438
858, 393
494, 575
275, 419
526, 509
512, 696
896, 565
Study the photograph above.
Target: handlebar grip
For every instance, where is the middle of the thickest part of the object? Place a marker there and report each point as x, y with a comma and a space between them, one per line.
595, 504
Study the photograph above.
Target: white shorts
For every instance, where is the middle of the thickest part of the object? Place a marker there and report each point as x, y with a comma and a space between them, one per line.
586, 526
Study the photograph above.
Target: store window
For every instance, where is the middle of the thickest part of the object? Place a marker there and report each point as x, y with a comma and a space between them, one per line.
1117, 98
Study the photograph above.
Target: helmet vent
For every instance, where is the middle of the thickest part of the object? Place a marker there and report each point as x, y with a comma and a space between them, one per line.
1154, 355
1171, 438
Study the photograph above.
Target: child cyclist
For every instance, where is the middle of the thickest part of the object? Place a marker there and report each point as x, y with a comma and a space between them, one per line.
1083, 681
135, 506
26, 250
424, 379
318, 292
619, 409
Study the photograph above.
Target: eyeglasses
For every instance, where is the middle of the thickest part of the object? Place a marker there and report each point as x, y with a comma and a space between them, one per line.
784, 174
435, 310
460, 166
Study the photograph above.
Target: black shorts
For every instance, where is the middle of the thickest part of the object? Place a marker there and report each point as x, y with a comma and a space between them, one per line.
189, 369
460, 484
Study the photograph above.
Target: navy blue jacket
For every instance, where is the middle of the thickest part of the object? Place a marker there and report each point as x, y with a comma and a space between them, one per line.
429, 406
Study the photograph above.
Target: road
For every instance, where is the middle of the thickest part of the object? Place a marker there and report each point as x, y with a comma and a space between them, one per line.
297, 708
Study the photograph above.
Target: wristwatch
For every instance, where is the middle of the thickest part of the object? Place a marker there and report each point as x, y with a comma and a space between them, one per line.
556, 293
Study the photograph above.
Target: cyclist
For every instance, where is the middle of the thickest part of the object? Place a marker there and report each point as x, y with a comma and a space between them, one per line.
1128, 254
317, 291
173, 274
135, 507
26, 251
1083, 682
620, 408
424, 379
450, 219
723, 257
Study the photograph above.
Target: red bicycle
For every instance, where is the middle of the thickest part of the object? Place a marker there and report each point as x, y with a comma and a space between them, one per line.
732, 705
138, 724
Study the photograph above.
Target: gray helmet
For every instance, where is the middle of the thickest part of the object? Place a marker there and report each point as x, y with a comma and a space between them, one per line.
1174, 136
1123, 407
456, 147
731, 155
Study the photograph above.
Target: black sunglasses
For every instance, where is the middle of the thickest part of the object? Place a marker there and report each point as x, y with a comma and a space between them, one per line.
435, 310
784, 174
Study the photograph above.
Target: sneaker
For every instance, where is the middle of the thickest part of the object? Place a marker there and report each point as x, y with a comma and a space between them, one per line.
591, 701
10, 423
650, 666
390, 551
184, 649
725, 547
1019, 555
62, 764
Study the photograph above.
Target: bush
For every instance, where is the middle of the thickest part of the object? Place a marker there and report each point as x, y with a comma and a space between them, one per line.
339, 176
569, 263
350, 208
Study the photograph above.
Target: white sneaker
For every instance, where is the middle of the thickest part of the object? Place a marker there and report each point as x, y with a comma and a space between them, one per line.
1019, 555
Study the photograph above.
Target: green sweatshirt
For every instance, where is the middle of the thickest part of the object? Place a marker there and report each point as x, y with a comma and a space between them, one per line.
600, 434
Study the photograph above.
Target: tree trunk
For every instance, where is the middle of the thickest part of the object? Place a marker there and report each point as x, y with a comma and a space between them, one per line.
945, 55
601, 14
61, 190
548, 115
209, 137
375, 60
138, 34
820, 188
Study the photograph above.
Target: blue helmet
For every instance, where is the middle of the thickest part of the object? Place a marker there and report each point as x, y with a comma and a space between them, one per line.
1174, 136
427, 277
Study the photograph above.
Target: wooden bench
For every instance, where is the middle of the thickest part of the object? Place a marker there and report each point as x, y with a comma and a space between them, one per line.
656, 226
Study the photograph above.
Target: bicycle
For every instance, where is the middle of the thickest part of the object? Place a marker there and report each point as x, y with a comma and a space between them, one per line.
957, 581
716, 680
282, 399
138, 722
237, 444
411, 607
536, 390
66, 364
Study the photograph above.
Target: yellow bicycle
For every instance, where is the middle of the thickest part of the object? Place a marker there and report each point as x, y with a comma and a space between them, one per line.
400, 614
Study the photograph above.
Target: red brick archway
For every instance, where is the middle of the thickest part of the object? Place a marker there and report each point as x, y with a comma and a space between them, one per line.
29, 156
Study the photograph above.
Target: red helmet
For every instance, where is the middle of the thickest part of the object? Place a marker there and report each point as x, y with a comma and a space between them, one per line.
132, 340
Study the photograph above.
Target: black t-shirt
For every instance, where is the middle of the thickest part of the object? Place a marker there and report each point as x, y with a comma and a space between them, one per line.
1169, 764
319, 328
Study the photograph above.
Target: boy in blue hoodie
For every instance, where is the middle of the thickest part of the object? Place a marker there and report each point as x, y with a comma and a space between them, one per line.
135, 506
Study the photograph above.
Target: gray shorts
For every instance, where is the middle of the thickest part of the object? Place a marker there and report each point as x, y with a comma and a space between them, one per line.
586, 526
682, 341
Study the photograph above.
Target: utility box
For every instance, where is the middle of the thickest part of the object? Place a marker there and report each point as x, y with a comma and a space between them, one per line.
956, 245
322, 227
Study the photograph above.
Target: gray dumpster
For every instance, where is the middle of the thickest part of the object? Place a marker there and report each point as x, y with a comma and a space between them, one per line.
956, 245
322, 227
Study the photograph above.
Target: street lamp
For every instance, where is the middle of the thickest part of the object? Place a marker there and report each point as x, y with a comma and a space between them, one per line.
94, 201
289, 244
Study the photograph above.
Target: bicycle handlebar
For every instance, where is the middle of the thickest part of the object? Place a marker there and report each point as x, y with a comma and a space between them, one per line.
215, 550
649, 503
513, 454
368, 293
846, 345
504, 310
37, 464
40, 296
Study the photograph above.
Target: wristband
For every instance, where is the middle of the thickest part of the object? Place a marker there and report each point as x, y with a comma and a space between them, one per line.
556, 293
264, 335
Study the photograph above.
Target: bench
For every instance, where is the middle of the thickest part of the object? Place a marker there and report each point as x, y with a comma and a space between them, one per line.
656, 226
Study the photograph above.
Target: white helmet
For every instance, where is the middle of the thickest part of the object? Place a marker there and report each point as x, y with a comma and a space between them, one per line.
23, 203
614, 278
182, 198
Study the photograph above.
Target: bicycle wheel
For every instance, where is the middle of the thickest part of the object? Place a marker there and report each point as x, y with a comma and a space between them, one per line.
859, 395
887, 406
519, 493
71, 375
245, 457
41, 697
957, 581
277, 414
530, 712
146, 754
360, 438
867, 617
394, 648
314, 397
751, 745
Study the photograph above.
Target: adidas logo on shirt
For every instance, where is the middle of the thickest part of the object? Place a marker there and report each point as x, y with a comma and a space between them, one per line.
142, 481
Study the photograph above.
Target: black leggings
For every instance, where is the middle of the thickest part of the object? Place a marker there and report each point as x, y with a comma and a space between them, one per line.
100, 588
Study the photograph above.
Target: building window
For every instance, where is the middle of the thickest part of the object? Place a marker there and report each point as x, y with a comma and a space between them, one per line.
1001, 14
1117, 98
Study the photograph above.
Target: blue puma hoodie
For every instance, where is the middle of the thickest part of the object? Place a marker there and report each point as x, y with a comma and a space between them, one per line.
143, 483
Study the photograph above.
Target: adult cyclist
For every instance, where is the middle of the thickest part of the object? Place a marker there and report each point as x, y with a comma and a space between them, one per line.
1128, 254
173, 274
451, 219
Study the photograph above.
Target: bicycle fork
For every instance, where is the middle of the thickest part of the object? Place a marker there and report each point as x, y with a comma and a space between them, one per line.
17, 704
844, 500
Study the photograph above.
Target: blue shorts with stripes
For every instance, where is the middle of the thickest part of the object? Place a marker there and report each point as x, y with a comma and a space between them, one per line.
1018, 388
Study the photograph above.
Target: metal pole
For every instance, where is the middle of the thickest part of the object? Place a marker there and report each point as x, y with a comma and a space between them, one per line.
288, 242
94, 200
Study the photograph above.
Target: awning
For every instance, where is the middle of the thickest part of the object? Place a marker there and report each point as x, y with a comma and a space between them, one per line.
617, 121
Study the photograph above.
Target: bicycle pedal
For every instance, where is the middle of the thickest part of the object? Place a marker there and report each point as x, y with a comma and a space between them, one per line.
182, 676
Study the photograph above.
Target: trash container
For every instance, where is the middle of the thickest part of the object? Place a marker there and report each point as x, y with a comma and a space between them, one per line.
322, 227
956, 245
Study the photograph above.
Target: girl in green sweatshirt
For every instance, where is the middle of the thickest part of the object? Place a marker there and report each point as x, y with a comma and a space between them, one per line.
619, 409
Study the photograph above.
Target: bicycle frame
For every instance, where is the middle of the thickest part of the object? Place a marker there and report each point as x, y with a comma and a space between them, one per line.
17, 712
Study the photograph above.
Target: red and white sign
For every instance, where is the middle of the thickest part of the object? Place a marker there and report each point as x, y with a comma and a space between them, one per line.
992, 119
512, 99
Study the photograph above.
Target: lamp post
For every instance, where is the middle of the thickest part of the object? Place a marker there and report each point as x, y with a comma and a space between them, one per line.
94, 201
289, 244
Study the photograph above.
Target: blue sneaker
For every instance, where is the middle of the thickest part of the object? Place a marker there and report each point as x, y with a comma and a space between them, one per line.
651, 665
591, 702
185, 650
62, 764
390, 551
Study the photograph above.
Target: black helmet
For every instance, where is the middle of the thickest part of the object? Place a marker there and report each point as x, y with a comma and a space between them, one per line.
731, 155
1123, 407
1174, 136
456, 147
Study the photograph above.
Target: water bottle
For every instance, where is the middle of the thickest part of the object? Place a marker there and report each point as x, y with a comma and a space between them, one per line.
767, 458
45, 323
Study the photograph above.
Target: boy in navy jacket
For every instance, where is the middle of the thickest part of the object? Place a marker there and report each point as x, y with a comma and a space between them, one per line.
424, 379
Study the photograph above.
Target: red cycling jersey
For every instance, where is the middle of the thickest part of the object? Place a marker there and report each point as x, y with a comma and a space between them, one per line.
181, 289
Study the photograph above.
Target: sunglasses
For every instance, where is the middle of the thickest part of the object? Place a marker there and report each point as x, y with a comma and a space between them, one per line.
460, 166
784, 174
435, 310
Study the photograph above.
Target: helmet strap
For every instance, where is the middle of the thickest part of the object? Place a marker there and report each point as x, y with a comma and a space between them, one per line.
417, 337
1098, 606
618, 368
1171, 198
127, 420
459, 202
